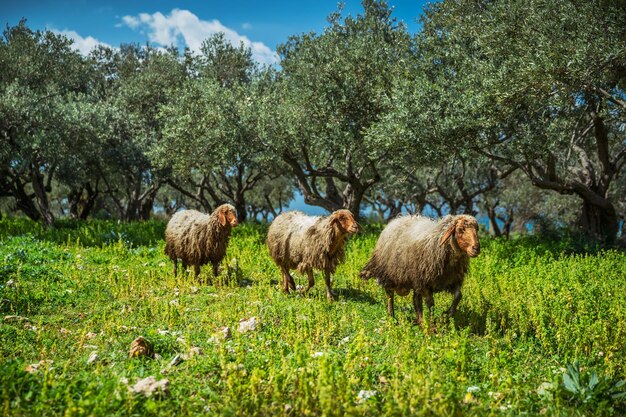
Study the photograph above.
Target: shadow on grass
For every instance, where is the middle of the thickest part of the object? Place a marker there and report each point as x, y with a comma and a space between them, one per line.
354, 294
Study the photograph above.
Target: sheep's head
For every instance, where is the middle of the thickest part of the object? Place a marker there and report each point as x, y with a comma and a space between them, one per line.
465, 230
226, 214
345, 221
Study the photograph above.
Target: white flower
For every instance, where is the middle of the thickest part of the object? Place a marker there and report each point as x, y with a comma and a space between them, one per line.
473, 388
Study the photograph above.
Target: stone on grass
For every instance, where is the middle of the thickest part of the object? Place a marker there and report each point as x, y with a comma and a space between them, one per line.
13, 319
248, 325
35, 367
150, 386
364, 395
141, 347
92, 358
222, 333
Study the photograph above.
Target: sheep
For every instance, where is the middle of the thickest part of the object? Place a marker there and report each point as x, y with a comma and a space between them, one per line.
197, 239
426, 256
298, 241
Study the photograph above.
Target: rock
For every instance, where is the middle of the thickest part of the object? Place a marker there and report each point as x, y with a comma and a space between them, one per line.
150, 386
195, 351
35, 367
364, 395
13, 319
222, 333
141, 347
126, 328
92, 358
176, 360
248, 325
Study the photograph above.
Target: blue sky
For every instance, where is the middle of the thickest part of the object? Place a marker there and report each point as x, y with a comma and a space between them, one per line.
259, 24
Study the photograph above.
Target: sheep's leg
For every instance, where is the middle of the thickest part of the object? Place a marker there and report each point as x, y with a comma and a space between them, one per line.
286, 277
455, 301
311, 281
390, 294
216, 271
175, 267
196, 273
184, 268
329, 292
290, 281
430, 302
417, 305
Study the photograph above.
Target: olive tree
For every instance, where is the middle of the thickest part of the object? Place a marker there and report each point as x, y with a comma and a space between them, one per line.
334, 86
536, 85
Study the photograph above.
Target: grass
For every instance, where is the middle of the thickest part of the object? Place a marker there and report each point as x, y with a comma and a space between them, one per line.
531, 309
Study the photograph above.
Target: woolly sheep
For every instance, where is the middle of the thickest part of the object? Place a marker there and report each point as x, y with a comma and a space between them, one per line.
426, 256
197, 239
298, 241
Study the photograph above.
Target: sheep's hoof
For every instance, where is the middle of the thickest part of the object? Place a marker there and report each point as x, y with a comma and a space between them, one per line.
331, 296
446, 316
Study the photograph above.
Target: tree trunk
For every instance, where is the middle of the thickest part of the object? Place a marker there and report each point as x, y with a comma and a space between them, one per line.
90, 203
395, 210
26, 205
494, 229
80, 208
240, 207
599, 223
507, 223
352, 198
41, 196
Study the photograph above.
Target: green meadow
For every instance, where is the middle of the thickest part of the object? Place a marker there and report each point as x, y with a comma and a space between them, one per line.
541, 330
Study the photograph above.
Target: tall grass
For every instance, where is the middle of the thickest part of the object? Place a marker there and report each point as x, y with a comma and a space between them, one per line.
530, 308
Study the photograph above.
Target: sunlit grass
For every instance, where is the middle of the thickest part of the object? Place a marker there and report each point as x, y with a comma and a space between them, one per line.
529, 309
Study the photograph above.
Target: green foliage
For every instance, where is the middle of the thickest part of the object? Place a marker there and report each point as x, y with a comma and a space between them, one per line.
585, 390
530, 308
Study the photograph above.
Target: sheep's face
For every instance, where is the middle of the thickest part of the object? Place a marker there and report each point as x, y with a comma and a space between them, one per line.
226, 215
345, 221
465, 231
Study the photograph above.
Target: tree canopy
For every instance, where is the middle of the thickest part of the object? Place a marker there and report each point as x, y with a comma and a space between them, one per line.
489, 105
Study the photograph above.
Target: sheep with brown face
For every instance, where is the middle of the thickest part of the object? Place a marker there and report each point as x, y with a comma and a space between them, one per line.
305, 243
197, 239
426, 256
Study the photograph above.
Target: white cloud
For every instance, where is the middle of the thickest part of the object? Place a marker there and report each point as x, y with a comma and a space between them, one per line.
130, 21
246, 26
83, 45
182, 25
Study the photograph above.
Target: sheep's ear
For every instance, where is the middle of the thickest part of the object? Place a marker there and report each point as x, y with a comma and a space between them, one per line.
222, 218
446, 236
